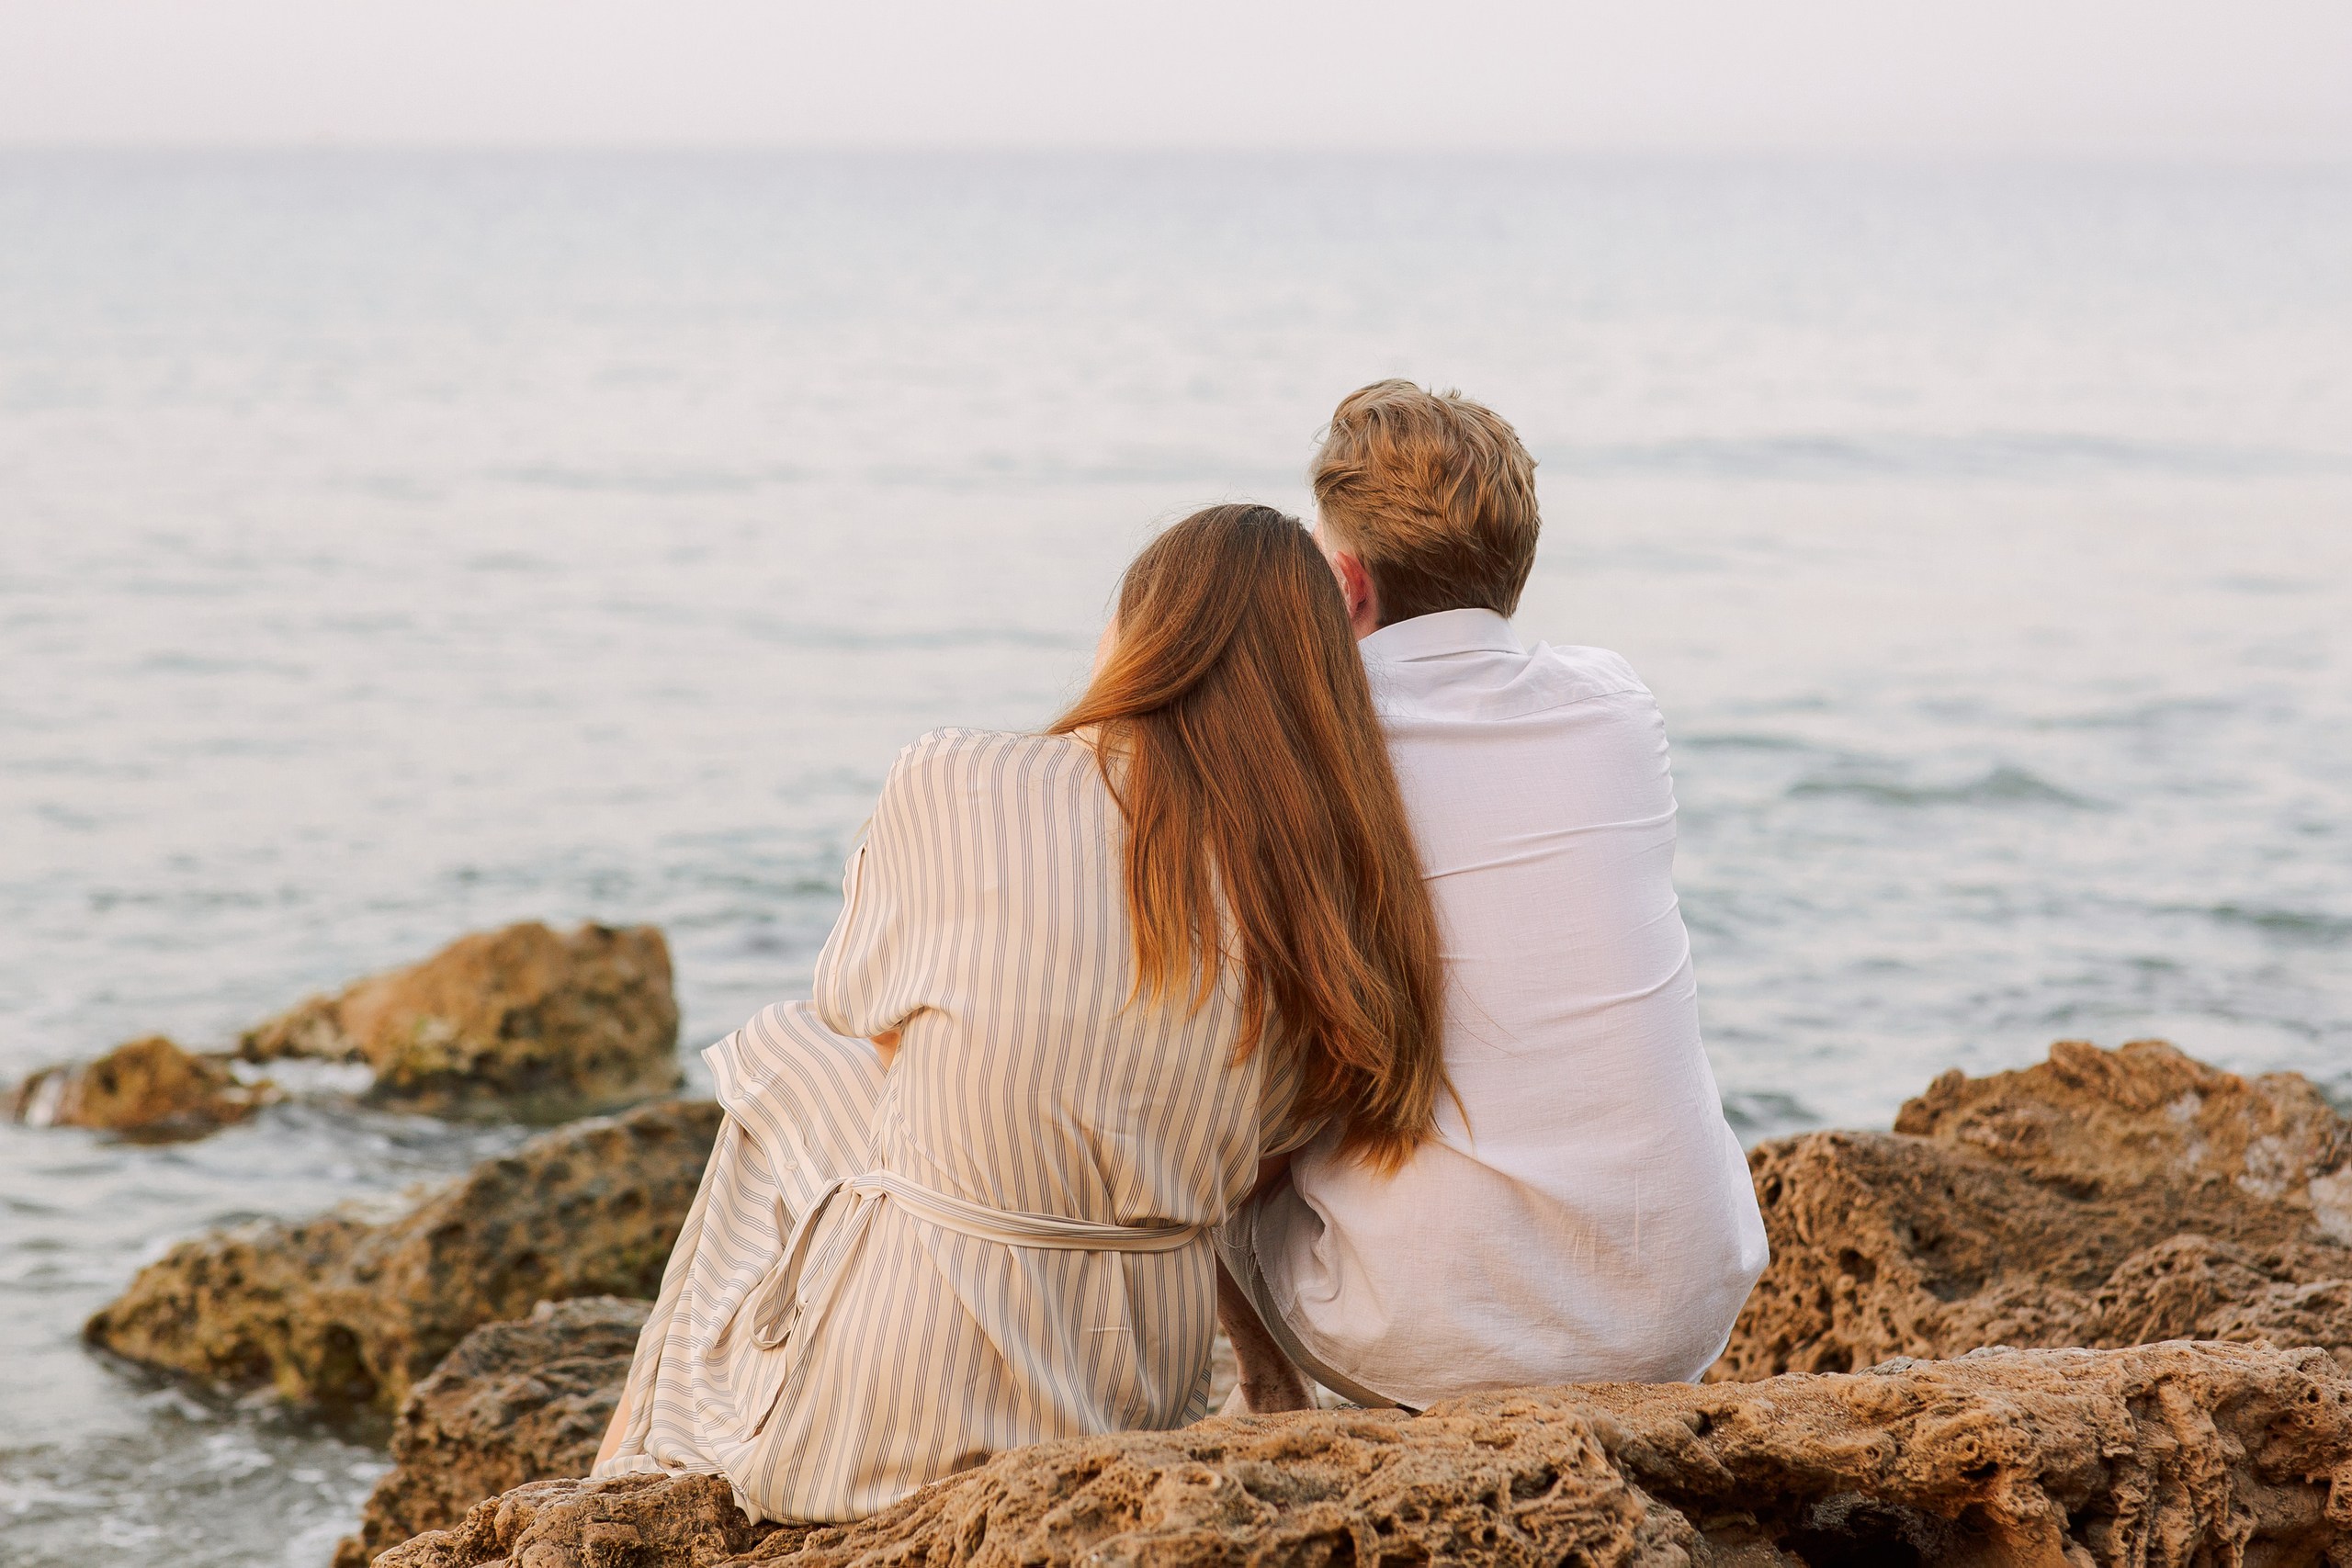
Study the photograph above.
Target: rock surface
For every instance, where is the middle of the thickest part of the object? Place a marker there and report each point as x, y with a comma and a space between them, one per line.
147, 1089
2162, 1455
2101, 1198
513, 1403
346, 1311
524, 1019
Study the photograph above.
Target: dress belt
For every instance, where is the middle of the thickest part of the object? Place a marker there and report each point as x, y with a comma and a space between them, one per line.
779, 1298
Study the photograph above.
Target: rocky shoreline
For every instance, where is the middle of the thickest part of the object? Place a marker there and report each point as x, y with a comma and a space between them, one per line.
2096, 1311
344, 1311
2099, 1199
512, 1404
2168, 1454
524, 1022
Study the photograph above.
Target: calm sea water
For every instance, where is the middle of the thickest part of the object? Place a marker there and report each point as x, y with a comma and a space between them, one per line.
392, 546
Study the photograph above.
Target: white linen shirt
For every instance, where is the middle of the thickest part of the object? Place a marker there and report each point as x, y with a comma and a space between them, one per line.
1592, 1220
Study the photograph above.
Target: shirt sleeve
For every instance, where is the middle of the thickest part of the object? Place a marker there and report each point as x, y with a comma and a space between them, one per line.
869, 977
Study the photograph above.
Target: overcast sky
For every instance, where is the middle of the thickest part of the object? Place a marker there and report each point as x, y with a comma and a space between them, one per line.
2227, 79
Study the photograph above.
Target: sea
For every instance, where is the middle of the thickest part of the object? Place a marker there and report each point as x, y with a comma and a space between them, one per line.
399, 544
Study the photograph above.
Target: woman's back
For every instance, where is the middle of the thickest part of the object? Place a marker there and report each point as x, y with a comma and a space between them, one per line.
987, 910
1032, 1261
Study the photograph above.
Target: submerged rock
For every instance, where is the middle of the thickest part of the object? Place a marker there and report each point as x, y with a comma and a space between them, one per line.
2156, 1457
522, 1020
348, 1310
512, 1404
148, 1089
2102, 1197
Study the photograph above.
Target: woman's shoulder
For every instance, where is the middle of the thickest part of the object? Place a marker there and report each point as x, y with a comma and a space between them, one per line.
954, 743
991, 761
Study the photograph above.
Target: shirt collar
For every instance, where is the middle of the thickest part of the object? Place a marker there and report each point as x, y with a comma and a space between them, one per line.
1436, 637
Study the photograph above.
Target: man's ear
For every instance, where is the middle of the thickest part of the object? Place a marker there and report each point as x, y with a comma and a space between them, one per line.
1356, 588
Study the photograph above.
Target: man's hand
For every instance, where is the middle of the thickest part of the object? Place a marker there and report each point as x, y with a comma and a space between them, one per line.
1269, 1382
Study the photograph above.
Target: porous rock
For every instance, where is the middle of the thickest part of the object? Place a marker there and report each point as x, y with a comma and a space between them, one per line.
147, 1089
2163, 1456
525, 1020
516, 1403
348, 1310
512, 1404
2100, 1198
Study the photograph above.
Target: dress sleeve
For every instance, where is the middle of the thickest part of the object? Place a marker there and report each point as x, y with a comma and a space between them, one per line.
868, 980
1280, 1129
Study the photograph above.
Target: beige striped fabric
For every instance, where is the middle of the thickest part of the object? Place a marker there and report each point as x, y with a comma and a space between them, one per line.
1002, 1238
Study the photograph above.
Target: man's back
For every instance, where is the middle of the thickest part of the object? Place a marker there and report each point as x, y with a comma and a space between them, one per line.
1592, 1219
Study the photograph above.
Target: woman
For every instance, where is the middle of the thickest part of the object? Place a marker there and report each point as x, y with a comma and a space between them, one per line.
1082, 983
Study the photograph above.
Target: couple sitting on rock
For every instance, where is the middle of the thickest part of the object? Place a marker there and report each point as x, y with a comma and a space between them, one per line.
1319, 971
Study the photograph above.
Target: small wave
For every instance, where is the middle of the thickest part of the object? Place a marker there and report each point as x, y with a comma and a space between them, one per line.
2254, 582
649, 481
2003, 785
1757, 1114
865, 639
75, 768
330, 1080
1987, 454
1212, 473
507, 561
1745, 742
178, 661
2140, 715
191, 901
2296, 925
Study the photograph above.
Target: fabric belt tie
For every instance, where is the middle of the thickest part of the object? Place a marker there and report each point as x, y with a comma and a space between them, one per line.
780, 1298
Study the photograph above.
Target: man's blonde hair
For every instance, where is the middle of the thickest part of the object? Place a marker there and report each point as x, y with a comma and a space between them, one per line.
1436, 496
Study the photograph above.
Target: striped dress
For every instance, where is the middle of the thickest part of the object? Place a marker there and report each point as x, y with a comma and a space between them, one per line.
1003, 1237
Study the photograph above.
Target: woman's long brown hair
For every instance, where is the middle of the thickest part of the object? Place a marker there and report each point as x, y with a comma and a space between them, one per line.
1264, 829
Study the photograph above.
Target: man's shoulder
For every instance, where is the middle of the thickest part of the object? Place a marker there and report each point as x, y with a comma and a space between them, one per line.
1499, 688
1588, 673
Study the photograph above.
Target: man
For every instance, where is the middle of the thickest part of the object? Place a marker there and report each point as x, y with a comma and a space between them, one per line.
1585, 1213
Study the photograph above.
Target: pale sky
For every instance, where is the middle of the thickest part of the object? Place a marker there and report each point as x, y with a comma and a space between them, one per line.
2227, 79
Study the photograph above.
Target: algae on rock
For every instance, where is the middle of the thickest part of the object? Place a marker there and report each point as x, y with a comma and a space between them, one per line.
344, 1310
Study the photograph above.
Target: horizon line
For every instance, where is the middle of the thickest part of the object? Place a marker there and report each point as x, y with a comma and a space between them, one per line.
1794, 151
